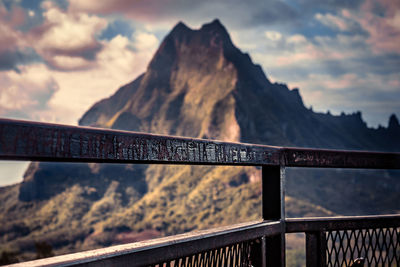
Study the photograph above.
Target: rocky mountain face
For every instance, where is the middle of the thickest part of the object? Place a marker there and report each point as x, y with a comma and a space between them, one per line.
198, 84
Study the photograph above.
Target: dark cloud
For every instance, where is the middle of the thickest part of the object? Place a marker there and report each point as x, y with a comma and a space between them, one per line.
240, 14
388, 63
271, 12
9, 4
10, 60
314, 6
88, 52
295, 72
356, 29
305, 10
334, 68
68, 41
235, 12
381, 65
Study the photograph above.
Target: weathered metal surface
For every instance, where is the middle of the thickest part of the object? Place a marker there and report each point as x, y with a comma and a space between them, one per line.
242, 254
315, 249
21, 140
154, 251
271, 193
263, 252
303, 157
273, 209
341, 223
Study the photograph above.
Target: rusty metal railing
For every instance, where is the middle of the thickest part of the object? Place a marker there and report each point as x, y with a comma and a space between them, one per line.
258, 243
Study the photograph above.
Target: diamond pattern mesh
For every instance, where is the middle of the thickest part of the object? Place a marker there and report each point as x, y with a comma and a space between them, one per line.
379, 247
234, 255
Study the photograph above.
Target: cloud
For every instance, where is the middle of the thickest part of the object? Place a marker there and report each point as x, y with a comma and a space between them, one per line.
8, 37
10, 60
119, 62
338, 22
71, 66
11, 172
152, 11
337, 73
281, 51
43, 93
15, 16
351, 92
27, 92
14, 51
67, 41
273, 35
381, 19
312, 6
145, 41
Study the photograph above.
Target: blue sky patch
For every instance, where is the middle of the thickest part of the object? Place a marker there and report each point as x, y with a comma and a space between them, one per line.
117, 27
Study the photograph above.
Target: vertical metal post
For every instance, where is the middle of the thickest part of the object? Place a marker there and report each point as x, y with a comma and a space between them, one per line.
263, 252
315, 249
273, 208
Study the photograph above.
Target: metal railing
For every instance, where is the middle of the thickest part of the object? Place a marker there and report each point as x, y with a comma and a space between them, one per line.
329, 241
338, 240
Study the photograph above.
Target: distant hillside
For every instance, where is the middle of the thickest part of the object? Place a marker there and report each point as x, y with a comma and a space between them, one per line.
198, 84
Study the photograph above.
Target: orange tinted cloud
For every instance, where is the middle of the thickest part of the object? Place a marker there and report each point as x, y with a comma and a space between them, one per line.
381, 19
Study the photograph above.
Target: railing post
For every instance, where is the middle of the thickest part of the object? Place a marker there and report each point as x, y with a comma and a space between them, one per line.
315, 249
273, 208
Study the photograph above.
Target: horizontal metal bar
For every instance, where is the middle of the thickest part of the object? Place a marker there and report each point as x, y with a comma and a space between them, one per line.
22, 140
295, 225
33, 141
323, 158
155, 251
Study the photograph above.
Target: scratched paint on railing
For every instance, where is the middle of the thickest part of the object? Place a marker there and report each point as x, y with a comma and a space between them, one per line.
103, 145
321, 158
21, 140
300, 157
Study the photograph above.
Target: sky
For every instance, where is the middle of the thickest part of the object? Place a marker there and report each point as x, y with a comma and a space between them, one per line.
57, 58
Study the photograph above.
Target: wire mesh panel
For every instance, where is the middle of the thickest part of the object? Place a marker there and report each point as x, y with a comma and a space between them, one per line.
240, 254
379, 247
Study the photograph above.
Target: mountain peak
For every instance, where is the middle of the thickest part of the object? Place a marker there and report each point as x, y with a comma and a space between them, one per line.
210, 34
180, 29
213, 27
216, 28
215, 24
211, 38
180, 26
